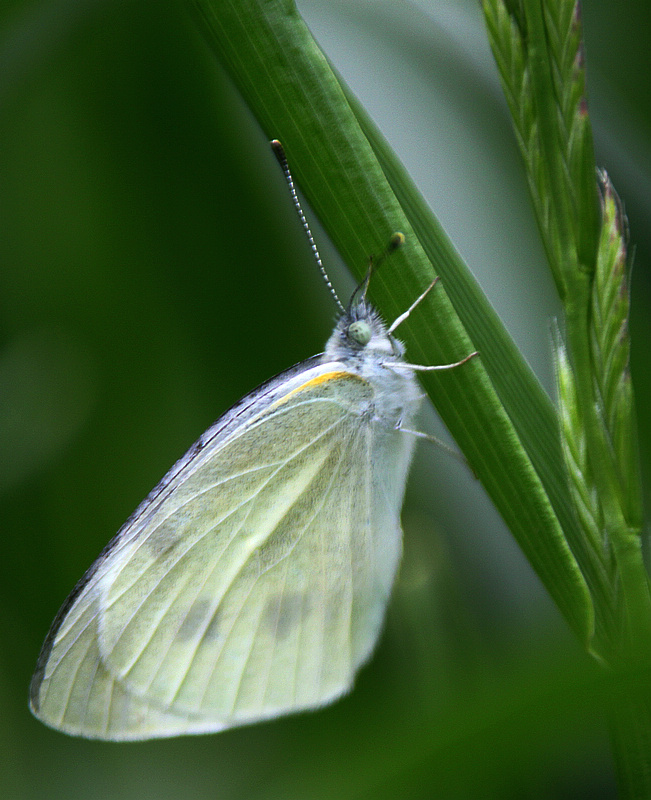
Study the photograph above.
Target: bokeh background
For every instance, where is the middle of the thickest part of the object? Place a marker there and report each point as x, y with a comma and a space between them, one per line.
152, 271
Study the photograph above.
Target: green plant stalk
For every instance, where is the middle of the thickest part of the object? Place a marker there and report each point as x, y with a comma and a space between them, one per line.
547, 33
509, 38
623, 538
562, 255
630, 732
627, 645
539, 48
595, 560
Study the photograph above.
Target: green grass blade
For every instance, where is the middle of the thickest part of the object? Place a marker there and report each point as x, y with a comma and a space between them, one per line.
539, 53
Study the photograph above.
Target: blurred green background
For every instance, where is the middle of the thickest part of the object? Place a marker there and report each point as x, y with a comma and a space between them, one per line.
152, 271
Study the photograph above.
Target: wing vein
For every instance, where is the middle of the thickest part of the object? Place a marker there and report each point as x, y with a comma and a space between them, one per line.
255, 582
178, 482
250, 500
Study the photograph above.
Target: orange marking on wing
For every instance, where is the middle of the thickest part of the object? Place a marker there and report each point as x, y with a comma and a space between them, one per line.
325, 378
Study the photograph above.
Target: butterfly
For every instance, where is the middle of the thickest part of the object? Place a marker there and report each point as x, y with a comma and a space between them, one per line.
253, 580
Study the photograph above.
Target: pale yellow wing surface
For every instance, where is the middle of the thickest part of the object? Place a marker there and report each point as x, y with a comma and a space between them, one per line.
251, 584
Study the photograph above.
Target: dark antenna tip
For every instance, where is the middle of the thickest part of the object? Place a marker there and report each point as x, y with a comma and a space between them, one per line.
279, 152
396, 241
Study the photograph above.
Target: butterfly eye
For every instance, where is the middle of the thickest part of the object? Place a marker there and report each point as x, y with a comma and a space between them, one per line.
359, 332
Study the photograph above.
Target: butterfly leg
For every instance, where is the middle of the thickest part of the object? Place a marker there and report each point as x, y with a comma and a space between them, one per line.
399, 320
434, 367
433, 440
416, 302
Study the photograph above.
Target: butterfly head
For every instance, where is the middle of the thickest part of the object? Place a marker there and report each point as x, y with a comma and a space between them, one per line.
360, 333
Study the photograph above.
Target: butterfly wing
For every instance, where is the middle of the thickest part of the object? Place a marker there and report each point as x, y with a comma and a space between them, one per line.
252, 582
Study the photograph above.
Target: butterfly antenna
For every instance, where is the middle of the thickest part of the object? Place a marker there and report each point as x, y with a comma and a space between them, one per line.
279, 152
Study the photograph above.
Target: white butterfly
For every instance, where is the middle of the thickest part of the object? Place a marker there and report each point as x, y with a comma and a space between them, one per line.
253, 580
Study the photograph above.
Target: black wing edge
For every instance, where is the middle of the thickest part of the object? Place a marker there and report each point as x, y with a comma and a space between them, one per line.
235, 414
